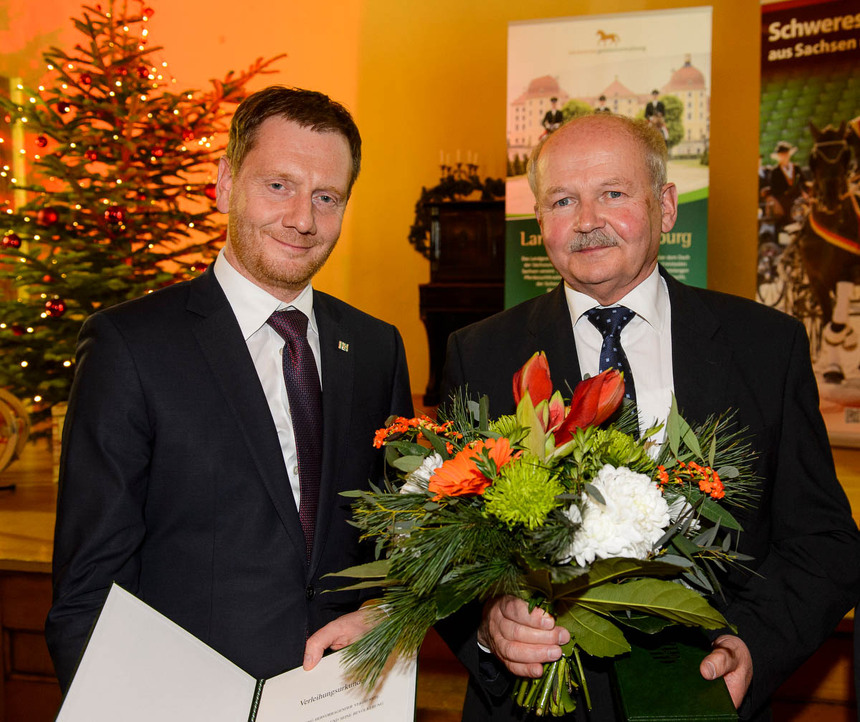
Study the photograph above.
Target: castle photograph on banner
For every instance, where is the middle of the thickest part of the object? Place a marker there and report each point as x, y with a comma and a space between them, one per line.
654, 65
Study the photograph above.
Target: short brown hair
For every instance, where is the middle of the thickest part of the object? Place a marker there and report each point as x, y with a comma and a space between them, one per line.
654, 151
306, 108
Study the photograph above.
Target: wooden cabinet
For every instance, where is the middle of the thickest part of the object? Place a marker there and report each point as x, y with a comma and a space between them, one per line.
28, 688
29, 692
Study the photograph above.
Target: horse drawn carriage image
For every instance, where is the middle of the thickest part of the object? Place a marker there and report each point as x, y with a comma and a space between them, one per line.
809, 254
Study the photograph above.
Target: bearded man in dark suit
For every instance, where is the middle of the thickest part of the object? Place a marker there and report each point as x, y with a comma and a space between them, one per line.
187, 459
602, 203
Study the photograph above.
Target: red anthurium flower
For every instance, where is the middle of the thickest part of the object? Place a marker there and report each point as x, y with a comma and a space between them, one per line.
533, 379
594, 400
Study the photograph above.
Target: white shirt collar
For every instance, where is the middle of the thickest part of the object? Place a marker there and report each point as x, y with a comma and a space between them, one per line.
649, 300
251, 304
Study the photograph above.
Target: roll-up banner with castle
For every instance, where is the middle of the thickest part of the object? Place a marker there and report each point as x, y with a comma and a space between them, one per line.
652, 64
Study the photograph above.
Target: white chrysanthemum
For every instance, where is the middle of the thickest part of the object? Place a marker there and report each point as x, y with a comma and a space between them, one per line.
681, 507
418, 480
631, 521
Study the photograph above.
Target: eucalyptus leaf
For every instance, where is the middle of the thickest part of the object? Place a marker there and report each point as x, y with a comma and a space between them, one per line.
437, 442
696, 577
595, 494
408, 448
407, 463
712, 511
594, 634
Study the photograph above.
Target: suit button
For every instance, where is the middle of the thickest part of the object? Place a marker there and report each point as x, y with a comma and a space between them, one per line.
309, 593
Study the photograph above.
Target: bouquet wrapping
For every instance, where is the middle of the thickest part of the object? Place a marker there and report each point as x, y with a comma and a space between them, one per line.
564, 505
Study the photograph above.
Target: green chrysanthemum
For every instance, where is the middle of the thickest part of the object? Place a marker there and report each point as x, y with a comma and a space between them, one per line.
620, 449
523, 493
506, 426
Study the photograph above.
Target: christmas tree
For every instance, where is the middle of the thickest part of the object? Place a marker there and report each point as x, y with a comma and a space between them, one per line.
119, 197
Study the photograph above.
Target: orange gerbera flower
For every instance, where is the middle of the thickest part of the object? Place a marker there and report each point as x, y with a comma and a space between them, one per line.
461, 475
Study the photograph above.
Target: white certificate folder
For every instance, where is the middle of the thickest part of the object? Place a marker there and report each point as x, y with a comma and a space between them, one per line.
139, 666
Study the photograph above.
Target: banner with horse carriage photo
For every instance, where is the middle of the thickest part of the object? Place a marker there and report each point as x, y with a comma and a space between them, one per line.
809, 191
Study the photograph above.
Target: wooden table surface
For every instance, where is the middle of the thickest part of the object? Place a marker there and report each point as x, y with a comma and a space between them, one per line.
27, 511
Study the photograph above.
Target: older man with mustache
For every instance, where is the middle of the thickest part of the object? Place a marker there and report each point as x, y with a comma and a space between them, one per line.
602, 202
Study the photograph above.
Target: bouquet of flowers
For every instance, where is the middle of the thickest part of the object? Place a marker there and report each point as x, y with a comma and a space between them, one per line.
555, 505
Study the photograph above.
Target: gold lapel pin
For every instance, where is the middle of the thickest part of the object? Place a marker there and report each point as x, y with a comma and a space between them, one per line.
341, 346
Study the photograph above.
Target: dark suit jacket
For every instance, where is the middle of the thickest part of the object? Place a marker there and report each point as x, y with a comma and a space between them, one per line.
727, 353
173, 482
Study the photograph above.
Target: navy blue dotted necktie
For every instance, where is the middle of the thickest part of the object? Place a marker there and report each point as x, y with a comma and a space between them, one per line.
305, 395
610, 321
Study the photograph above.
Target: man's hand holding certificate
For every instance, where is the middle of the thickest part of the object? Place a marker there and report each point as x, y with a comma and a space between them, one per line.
139, 666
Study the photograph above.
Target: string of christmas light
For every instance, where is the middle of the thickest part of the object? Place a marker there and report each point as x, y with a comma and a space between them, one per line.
119, 190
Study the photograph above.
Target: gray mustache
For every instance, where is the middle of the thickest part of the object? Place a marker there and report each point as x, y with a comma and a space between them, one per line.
594, 239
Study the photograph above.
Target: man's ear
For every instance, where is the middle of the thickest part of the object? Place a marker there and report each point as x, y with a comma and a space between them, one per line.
668, 207
223, 185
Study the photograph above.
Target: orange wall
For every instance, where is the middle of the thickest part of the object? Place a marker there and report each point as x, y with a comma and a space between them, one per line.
420, 78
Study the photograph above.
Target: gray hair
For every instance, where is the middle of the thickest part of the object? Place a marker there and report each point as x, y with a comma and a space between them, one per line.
653, 146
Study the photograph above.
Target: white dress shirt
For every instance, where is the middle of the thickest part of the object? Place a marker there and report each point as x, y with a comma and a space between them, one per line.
252, 307
646, 339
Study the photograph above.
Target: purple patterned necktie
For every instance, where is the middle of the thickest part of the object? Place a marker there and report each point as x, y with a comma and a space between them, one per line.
610, 321
305, 396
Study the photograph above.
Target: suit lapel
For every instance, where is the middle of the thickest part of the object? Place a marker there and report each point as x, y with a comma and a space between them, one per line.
338, 373
226, 352
699, 363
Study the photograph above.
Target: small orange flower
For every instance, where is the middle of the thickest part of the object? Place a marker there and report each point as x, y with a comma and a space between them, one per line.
461, 475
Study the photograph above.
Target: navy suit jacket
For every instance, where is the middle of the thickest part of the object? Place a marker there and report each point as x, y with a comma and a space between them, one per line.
727, 353
173, 482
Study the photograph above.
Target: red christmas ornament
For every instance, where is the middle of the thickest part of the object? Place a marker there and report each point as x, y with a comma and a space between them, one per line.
55, 307
91, 155
158, 152
115, 214
148, 12
188, 135
17, 329
41, 141
142, 71
47, 279
199, 267
86, 79
210, 191
11, 241
47, 216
